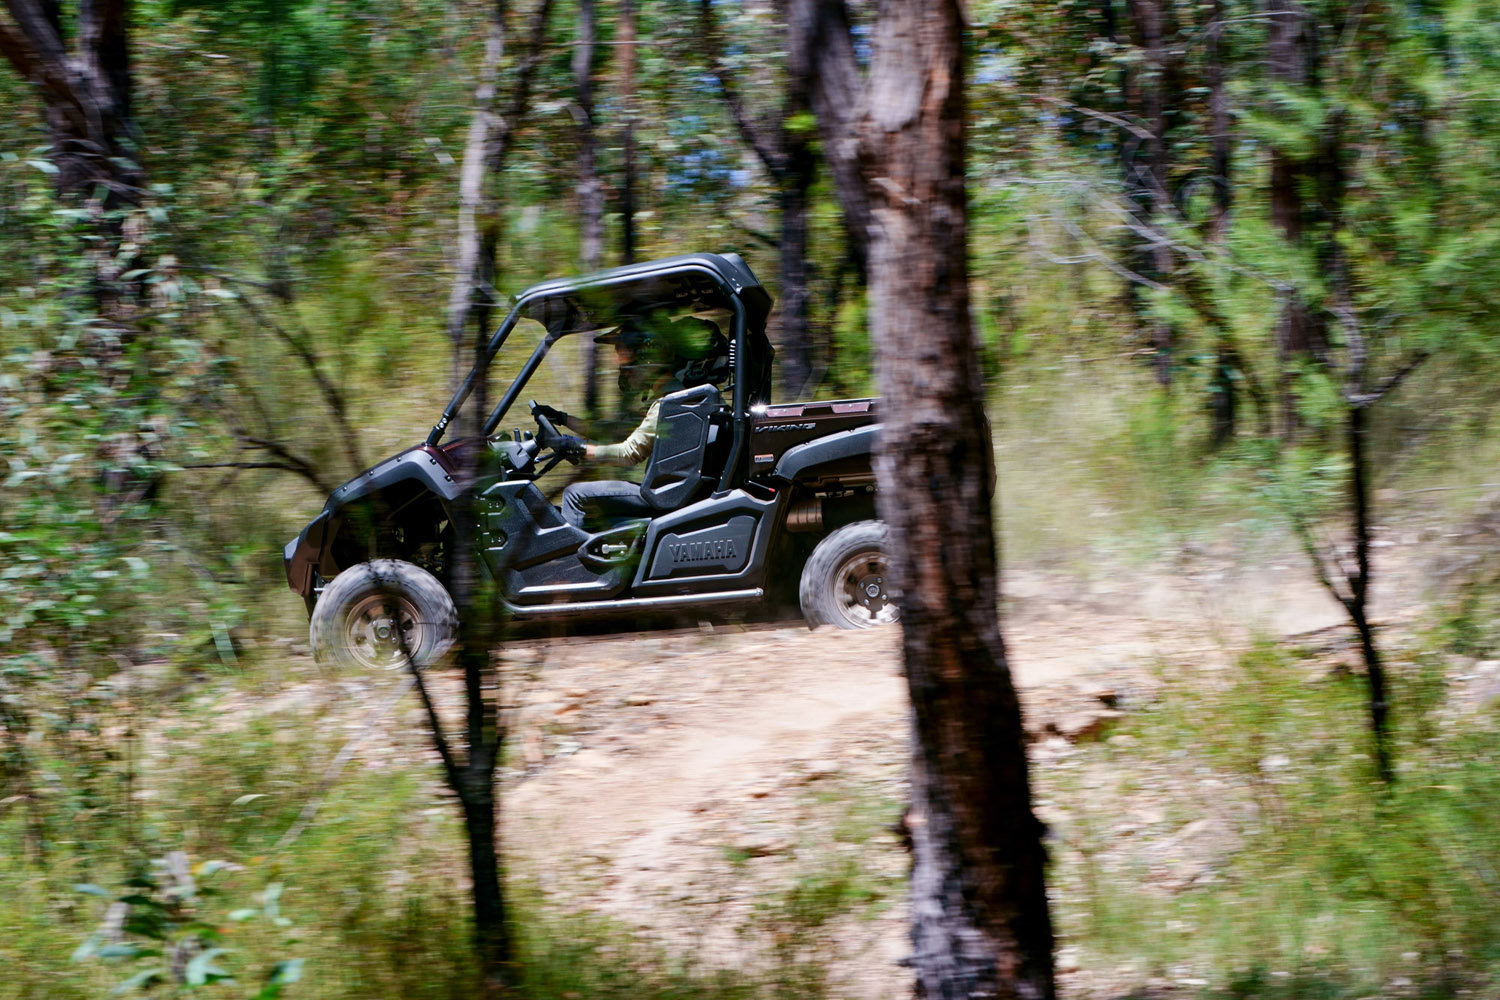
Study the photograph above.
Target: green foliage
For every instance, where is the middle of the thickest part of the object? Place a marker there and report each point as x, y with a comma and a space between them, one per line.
159, 926
1306, 873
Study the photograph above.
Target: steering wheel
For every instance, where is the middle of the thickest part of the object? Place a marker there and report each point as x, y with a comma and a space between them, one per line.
547, 435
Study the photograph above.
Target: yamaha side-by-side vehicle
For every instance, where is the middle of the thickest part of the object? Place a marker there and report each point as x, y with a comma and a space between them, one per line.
741, 499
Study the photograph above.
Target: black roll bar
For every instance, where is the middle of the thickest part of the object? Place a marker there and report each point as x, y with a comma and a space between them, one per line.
481, 366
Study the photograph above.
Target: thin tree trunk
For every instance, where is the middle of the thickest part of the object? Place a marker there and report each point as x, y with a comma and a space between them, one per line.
590, 189
1151, 177
1218, 105
796, 356
472, 776
474, 205
1225, 406
788, 157
980, 923
1360, 590
625, 36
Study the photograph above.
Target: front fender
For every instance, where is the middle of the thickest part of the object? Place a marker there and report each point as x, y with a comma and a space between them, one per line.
428, 470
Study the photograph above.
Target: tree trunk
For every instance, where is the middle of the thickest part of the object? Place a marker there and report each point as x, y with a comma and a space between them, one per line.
980, 924
625, 37
87, 95
788, 157
1225, 406
820, 51
796, 356
472, 777
1148, 180
87, 105
1218, 107
1358, 602
590, 189
1291, 56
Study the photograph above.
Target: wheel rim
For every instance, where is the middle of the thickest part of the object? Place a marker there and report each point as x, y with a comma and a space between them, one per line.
383, 631
864, 592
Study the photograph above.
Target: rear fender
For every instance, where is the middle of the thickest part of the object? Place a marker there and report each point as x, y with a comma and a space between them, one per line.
839, 459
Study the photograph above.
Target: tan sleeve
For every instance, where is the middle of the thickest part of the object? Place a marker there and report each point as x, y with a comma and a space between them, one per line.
634, 449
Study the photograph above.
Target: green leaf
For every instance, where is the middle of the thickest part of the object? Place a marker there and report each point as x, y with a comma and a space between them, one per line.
243, 914
285, 972
43, 165
87, 949
91, 889
200, 969
289, 971
143, 978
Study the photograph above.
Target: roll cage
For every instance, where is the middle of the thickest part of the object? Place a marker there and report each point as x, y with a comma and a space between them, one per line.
578, 305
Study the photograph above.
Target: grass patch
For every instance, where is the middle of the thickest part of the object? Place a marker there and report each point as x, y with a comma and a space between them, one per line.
1239, 838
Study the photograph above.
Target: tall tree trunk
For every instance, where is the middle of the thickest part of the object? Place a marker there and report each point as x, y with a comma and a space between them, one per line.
1218, 108
590, 189
625, 37
788, 157
1225, 404
980, 923
1148, 180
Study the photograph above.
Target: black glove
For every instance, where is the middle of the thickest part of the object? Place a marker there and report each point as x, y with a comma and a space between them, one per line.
551, 413
569, 447
566, 445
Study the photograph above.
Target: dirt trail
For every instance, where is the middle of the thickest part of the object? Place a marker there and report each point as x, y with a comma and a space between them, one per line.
672, 781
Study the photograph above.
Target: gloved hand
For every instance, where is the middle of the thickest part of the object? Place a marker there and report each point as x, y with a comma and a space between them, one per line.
566, 445
569, 447
551, 413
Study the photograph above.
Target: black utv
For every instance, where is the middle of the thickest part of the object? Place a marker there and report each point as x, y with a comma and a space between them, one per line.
742, 500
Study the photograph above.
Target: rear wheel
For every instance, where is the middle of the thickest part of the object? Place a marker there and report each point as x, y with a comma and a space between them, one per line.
382, 615
846, 582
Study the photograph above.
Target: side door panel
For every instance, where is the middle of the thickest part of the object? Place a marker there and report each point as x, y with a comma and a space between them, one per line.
715, 544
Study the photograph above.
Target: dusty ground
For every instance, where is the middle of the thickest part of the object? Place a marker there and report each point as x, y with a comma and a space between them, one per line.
676, 782
679, 782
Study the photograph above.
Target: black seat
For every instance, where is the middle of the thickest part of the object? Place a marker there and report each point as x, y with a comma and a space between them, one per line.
677, 472
682, 466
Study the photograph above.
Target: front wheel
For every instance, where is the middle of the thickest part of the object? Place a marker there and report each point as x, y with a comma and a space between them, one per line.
383, 615
846, 582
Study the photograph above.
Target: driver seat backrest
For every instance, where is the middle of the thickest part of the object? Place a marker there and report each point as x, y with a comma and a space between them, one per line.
684, 428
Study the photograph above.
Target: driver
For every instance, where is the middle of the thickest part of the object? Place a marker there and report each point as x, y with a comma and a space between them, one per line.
646, 374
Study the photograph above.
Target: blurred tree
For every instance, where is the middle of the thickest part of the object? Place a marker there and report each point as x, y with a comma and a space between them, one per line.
784, 146
980, 922
472, 775
590, 187
87, 94
625, 38
87, 100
